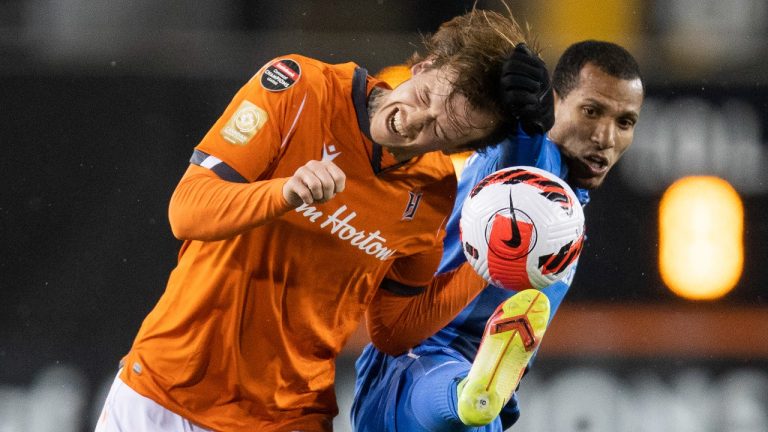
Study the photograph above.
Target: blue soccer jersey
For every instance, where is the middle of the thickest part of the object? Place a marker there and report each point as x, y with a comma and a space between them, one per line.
417, 391
465, 331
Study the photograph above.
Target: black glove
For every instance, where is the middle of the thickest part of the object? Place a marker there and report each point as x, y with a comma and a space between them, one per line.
527, 92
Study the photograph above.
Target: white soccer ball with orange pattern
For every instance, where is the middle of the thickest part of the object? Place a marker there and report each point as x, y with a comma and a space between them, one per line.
522, 227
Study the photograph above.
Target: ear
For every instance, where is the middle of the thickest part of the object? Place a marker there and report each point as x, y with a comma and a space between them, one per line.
558, 99
421, 66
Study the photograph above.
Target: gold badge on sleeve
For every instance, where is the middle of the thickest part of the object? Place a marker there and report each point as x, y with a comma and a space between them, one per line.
244, 124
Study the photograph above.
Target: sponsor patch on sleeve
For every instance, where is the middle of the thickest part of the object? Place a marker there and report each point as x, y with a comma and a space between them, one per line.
244, 124
280, 75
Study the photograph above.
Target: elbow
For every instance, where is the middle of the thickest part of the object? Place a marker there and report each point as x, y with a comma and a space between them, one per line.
390, 349
180, 232
189, 207
183, 218
179, 216
186, 224
180, 226
184, 230
389, 344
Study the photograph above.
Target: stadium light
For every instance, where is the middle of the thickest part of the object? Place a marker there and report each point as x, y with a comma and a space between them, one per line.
701, 224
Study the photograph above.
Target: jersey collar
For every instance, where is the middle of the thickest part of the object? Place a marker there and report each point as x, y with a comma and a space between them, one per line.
360, 102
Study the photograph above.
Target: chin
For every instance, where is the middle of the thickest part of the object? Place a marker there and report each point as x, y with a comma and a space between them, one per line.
379, 138
591, 183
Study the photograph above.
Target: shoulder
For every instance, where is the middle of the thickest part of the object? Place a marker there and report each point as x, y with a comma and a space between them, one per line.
288, 71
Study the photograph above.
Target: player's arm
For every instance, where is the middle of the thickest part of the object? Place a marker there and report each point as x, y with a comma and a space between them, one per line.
227, 189
205, 207
400, 318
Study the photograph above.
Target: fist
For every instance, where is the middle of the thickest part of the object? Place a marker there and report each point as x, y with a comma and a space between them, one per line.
315, 182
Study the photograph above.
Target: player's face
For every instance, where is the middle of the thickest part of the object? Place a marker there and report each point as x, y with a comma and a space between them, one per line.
418, 117
595, 124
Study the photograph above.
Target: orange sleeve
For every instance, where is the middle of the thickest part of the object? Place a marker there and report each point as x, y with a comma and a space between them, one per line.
416, 270
396, 323
205, 207
253, 131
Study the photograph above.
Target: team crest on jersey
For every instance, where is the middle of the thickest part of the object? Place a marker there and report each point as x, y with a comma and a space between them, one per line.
414, 198
244, 124
280, 75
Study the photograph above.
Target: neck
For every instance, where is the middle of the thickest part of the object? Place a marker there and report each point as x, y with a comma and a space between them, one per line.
374, 101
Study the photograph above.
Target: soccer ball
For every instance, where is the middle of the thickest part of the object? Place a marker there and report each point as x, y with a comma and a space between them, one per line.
522, 227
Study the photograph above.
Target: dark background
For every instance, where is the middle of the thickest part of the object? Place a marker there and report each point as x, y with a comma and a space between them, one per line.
101, 110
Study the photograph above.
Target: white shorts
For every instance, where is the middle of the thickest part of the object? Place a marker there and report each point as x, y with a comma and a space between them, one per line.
127, 411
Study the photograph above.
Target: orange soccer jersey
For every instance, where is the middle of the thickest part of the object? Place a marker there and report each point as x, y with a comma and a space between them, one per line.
264, 297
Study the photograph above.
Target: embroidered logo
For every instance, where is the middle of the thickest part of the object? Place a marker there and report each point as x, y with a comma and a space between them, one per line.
329, 152
244, 124
414, 198
280, 75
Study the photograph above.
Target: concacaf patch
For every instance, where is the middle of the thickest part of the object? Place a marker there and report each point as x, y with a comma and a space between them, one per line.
244, 123
280, 75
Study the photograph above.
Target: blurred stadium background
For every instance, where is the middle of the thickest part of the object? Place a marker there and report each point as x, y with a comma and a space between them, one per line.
102, 103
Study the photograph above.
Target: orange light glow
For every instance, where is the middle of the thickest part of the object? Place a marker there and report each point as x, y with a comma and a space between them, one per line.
701, 225
394, 75
458, 160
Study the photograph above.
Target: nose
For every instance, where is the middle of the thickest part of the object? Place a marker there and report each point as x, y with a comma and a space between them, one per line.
418, 120
604, 134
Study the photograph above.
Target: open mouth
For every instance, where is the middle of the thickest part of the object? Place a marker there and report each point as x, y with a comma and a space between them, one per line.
597, 164
396, 123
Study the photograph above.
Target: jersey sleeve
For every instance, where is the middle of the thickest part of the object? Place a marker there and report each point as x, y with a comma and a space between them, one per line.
415, 270
205, 207
477, 167
228, 188
396, 322
247, 139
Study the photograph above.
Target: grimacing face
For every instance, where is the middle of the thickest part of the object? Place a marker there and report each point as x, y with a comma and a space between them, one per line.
415, 118
595, 124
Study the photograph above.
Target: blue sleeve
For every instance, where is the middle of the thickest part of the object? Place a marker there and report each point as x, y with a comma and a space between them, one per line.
509, 152
520, 149
477, 167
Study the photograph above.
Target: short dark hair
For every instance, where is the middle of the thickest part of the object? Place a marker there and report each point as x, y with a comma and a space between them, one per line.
611, 58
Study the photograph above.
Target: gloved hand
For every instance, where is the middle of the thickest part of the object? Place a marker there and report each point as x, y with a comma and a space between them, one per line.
527, 91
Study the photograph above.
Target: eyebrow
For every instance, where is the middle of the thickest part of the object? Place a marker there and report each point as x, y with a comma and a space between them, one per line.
438, 129
425, 94
634, 115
